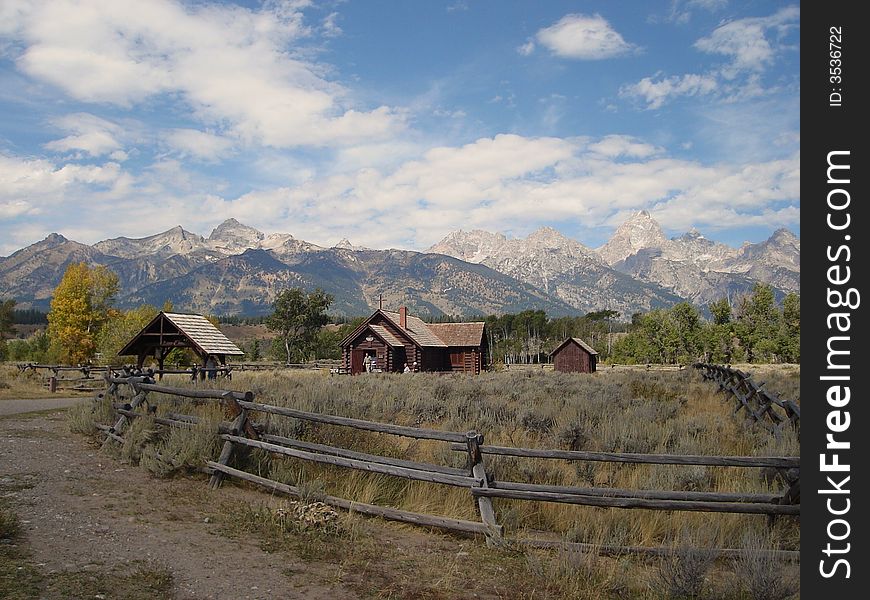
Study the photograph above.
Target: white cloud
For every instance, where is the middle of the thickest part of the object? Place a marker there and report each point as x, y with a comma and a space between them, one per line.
526, 49
36, 178
33, 189
747, 41
751, 45
657, 93
614, 146
235, 68
91, 134
200, 144
681, 10
330, 26
511, 181
582, 37
507, 182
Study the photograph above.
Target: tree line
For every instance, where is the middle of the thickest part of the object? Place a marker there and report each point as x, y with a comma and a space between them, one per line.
754, 329
529, 336
83, 325
749, 328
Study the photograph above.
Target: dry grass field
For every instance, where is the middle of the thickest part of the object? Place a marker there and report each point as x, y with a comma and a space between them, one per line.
21, 386
667, 412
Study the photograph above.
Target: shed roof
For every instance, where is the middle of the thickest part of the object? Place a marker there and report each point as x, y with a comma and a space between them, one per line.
577, 341
459, 334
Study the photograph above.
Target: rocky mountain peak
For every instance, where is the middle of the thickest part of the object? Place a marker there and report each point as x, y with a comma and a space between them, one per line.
784, 236
470, 246
179, 233
172, 241
54, 239
232, 237
344, 244
638, 232
781, 249
231, 230
547, 236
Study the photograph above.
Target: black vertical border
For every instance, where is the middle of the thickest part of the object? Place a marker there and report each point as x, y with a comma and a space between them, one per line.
826, 128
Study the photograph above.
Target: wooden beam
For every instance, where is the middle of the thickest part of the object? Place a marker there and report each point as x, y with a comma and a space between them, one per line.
429, 434
384, 512
396, 462
650, 494
655, 459
415, 474
238, 426
484, 504
727, 507
610, 550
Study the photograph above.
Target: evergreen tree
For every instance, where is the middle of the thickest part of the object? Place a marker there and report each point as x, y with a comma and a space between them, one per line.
7, 318
790, 330
758, 323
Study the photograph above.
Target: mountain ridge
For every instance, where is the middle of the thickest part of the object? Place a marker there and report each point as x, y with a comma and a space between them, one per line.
238, 269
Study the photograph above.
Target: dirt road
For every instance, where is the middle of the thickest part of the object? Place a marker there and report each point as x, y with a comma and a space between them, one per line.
85, 513
96, 527
14, 407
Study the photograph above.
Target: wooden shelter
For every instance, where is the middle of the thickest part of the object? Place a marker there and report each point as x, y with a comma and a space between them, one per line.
574, 356
395, 339
168, 331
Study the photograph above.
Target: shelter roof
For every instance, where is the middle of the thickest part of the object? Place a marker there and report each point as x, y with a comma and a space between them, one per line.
182, 330
201, 331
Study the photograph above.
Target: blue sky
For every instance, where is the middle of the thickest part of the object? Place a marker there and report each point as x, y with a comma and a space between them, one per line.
393, 123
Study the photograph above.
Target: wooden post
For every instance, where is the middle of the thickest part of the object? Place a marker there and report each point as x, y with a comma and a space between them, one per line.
52, 384
112, 387
240, 426
138, 399
494, 535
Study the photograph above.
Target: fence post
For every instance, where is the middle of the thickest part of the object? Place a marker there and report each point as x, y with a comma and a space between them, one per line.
494, 534
240, 426
52, 384
111, 387
138, 399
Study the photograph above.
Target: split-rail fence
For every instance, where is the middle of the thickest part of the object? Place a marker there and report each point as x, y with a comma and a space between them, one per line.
242, 431
81, 377
760, 405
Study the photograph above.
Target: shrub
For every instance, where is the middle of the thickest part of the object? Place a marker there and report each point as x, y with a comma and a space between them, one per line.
683, 572
763, 575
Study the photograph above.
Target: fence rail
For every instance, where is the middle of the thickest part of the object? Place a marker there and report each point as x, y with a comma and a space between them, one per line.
56, 380
241, 431
759, 404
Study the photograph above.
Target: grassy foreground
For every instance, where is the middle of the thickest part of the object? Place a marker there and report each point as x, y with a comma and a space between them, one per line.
664, 412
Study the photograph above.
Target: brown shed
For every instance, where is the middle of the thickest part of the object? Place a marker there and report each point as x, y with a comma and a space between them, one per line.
574, 356
168, 331
395, 339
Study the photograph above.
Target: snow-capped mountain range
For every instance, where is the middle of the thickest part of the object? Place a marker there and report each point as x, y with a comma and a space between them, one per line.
238, 269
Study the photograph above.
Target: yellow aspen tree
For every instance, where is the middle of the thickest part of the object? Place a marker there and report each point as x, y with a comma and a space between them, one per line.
80, 305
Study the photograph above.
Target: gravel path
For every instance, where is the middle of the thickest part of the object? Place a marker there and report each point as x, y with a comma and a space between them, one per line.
84, 511
14, 407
